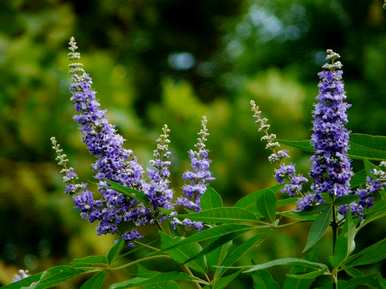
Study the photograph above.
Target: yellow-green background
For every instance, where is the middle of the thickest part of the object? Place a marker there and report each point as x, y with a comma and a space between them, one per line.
269, 51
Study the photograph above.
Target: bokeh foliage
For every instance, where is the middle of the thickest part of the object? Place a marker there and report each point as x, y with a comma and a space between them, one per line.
170, 61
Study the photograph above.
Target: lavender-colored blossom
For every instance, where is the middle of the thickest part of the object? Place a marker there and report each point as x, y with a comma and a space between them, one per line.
366, 195
331, 168
114, 162
286, 173
199, 176
131, 236
158, 189
83, 198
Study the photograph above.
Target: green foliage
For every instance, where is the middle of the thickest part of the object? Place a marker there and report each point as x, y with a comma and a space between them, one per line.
318, 228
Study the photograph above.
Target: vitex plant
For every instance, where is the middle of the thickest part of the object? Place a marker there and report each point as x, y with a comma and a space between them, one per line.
188, 239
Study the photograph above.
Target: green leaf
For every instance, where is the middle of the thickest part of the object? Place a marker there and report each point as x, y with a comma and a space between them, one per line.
225, 280
286, 202
266, 205
57, 275
362, 146
211, 233
211, 199
318, 229
308, 275
241, 250
130, 192
296, 283
359, 178
372, 254
285, 262
95, 282
23, 282
115, 250
375, 212
263, 280
89, 261
345, 243
372, 280
160, 278
222, 215
213, 246
249, 201
303, 216
183, 253
163, 285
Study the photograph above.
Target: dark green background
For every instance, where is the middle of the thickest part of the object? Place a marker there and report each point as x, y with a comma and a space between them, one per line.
168, 61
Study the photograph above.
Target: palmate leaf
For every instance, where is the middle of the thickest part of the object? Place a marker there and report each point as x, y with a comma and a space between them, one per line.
225, 280
263, 280
95, 282
184, 253
241, 250
56, 275
222, 215
318, 229
370, 255
362, 146
217, 243
248, 202
211, 199
114, 251
266, 205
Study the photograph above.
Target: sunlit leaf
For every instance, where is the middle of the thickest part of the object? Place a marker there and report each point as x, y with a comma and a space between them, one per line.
95, 282
318, 229
211, 199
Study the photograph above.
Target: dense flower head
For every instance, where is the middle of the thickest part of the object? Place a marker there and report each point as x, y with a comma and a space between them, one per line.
158, 189
198, 178
331, 167
113, 161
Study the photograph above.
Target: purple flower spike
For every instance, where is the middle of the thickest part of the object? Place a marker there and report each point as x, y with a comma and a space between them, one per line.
198, 178
331, 168
113, 161
158, 190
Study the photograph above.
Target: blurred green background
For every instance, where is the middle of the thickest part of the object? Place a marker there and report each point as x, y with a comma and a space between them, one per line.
168, 61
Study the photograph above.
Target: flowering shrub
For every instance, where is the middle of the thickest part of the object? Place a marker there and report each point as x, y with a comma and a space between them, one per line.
197, 234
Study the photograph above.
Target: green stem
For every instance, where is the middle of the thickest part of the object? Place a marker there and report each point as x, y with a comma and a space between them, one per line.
334, 227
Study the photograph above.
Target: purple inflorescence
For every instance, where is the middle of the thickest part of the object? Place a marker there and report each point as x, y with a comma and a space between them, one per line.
158, 190
131, 236
366, 195
331, 168
114, 162
286, 173
199, 176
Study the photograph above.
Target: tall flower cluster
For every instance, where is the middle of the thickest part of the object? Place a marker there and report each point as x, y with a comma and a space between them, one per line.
286, 173
158, 190
198, 178
113, 161
331, 168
